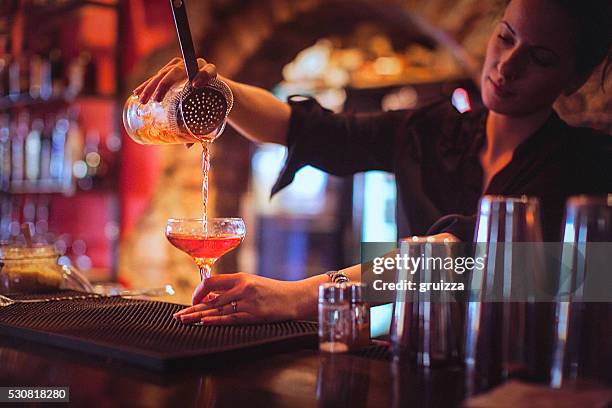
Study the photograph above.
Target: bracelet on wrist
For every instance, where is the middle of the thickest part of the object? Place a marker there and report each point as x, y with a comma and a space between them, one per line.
337, 277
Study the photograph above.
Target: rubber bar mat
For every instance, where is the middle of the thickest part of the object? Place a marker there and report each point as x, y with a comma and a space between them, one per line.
376, 352
143, 332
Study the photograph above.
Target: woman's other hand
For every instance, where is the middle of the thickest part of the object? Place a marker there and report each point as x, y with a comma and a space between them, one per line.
244, 298
173, 72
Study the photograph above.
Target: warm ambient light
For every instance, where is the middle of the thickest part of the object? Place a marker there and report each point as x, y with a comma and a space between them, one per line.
461, 100
388, 66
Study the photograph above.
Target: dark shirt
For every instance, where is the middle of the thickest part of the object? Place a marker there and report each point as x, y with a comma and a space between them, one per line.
433, 153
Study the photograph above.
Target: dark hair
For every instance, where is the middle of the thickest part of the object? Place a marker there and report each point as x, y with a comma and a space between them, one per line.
592, 33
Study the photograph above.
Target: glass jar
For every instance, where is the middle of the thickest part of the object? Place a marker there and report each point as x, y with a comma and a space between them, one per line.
35, 270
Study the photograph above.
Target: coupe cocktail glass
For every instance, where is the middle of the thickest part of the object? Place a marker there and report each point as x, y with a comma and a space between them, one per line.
205, 241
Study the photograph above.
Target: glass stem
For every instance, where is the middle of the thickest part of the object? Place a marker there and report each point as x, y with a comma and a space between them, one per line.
204, 271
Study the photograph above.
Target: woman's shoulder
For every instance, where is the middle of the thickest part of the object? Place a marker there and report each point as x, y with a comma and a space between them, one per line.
590, 151
439, 111
444, 121
443, 110
589, 140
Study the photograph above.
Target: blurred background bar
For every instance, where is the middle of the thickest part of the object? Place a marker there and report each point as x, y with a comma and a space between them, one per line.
67, 66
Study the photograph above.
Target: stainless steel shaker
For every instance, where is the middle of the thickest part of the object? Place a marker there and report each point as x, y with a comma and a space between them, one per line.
427, 325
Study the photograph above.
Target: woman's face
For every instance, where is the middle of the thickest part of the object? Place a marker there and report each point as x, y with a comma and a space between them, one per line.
530, 59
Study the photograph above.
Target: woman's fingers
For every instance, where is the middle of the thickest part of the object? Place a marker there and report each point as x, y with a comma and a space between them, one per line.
216, 301
174, 71
220, 320
190, 310
220, 310
215, 283
150, 88
190, 318
173, 61
229, 319
220, 303
206, 73
160, 84
140, 87
194, 313
173, 76
207, 303
202, 312
226, 297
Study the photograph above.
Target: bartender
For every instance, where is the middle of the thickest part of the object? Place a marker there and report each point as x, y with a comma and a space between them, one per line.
443, 160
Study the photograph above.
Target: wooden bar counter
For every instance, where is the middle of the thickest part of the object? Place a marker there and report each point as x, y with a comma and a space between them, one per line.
303, 378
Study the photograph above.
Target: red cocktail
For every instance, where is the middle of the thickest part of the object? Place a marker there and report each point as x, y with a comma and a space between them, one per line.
205, 242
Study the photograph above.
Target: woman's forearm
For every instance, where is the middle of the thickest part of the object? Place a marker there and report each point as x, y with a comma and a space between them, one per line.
258, 115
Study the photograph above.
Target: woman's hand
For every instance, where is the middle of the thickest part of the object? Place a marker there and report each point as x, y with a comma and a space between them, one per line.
245, 298
173, 72
256, 113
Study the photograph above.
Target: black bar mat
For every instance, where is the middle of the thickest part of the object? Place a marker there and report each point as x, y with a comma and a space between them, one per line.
376, 352
143, 332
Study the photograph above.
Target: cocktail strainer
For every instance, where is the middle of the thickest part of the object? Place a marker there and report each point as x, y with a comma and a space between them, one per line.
202, 112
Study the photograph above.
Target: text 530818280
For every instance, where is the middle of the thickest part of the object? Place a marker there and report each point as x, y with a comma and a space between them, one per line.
34, 394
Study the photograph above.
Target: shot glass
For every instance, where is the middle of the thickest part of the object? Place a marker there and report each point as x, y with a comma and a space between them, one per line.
334, 318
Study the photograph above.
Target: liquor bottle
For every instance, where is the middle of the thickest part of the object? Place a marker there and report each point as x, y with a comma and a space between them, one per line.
58, 145
33, 151
45, 151
57, 72
35, 76
82, 75
76, 77
88, 168
90, 81
42, 217
28, 211
15, 82
44, 79
5, 152
17, 148
73, 151
6, 210
92, 152
4, 75
19, 76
